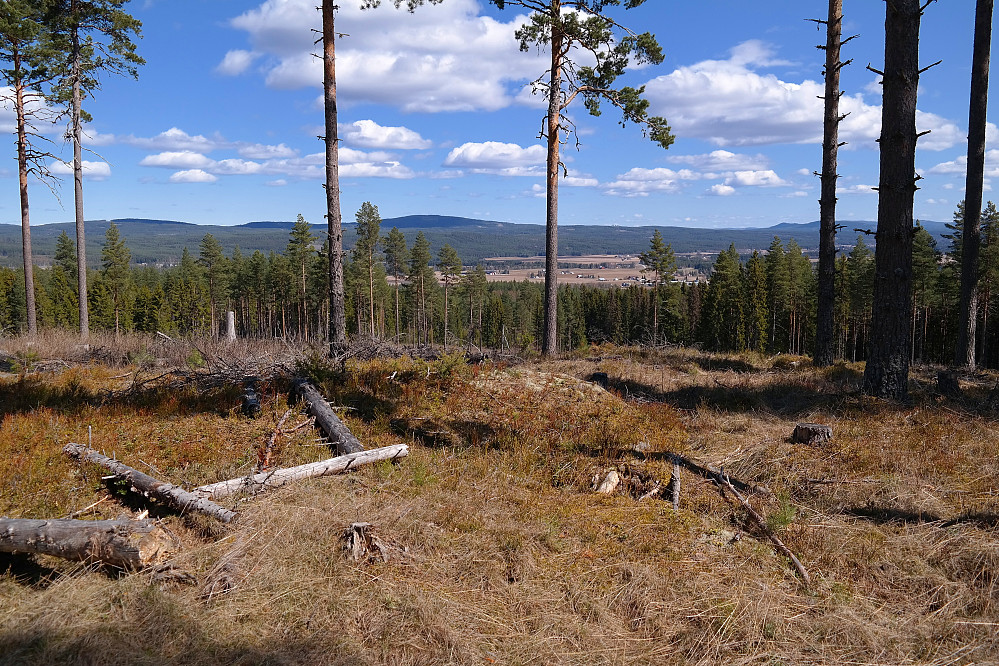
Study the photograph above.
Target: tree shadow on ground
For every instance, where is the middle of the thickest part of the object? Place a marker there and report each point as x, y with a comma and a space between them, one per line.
26, 570
440, 434
31, 392
890, 515
783, 397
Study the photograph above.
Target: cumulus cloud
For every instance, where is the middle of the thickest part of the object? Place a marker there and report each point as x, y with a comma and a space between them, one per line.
180, 159
765, 178
857, 189
721, 190
91, 170
722, 160
193, 176
442, 58
639, 182
261, 151
175, 139
959, 166
236, 62
369, 134
506, 159
730, 103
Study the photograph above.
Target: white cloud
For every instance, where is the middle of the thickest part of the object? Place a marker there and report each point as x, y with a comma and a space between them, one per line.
261, 151
508, 159
857, 189
728, 103
579, 181
639, 182
181, 159
193, 176
765, 178
376, 170
722, 190
722, 160
91, 170
369, 134
441, 58
236, 167
280, 182
959, 166
175, 139
236, 62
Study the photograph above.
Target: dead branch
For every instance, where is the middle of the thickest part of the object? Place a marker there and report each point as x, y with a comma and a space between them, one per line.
758, 519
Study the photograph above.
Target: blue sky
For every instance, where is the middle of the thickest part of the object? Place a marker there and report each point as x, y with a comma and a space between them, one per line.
437, 117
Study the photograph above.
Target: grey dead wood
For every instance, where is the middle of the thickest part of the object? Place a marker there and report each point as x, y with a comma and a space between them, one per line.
128, 544
167, 493
334, 429
279, 477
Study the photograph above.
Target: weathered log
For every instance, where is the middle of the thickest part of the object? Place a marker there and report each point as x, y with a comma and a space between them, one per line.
708, 471
169, 494
334, 429
610, 483
129, 544
675, 485
811, 433
279, 477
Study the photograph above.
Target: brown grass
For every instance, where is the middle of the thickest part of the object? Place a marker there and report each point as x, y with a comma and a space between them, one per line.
509, 556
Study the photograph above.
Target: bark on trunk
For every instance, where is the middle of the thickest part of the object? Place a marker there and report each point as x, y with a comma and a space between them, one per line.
81, 243
338, 318
129, 544
964, 353
167, 493
826, 298
22, 173
550, 338
327, 420
279, 477
887, 372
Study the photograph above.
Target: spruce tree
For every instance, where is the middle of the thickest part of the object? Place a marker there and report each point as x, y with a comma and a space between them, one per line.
115, 260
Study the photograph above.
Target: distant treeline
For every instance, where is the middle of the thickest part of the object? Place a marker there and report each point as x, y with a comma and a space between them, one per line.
396, 290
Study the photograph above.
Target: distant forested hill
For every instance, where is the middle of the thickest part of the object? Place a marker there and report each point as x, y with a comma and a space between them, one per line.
163, 241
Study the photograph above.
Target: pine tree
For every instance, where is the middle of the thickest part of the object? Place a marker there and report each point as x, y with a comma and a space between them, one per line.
421, 283
396, 259
213, 260
989, 280
363, 255
925, 283
660, 261
449, 265
757, 318
779, 297
115, 259
301, 246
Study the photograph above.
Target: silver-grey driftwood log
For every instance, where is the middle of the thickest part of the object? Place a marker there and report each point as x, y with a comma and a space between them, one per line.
280, 477
169, 494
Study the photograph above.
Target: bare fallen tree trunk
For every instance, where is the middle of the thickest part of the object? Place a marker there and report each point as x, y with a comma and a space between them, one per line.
279, 477
129, 544
326, 418
167, 493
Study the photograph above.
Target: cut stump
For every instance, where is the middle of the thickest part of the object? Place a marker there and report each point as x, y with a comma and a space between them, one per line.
811, 433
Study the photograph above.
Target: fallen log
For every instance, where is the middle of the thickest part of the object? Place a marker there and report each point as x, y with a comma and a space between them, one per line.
169, 494
128, 544
334, 429
708, 471
279, 477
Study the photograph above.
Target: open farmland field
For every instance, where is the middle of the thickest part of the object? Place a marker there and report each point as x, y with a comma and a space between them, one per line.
497, 549
611, 269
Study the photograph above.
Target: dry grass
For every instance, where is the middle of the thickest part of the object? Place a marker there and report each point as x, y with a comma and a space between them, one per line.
509, 557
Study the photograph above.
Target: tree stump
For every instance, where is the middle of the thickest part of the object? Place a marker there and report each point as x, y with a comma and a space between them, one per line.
811, 433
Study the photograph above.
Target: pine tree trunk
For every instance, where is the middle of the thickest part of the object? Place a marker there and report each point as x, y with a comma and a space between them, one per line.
338, 318
22, 173
550, 340
964, 353
81, 243
826, 297
887, 371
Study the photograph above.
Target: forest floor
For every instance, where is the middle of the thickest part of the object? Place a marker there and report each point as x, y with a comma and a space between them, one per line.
501, 551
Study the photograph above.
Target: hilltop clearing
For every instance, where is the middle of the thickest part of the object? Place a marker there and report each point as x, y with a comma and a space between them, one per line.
498, 548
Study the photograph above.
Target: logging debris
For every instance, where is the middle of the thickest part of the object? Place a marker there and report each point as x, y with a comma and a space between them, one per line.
327, 420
